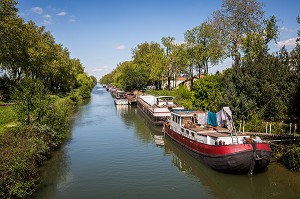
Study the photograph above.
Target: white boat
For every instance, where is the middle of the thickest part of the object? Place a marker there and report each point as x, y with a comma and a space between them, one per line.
121, 98
156, 109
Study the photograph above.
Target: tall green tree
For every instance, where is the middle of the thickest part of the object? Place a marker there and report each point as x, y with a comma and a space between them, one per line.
255, 43
32, 100
207, 94
13, 43
205, 46
149, 58
168, 42
238, 18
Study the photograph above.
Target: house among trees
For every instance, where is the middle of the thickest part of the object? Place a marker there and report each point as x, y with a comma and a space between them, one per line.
179, 81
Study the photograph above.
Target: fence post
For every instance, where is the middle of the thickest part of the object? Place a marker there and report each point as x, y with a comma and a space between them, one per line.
290, 128
295, 129
267, 127
243, 126
270, 128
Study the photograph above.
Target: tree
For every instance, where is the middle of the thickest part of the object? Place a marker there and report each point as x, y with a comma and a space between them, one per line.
207, 95
238, 18
32, 100
255, 43
13, 56
168, 43
205, 46
149, 58
298, 20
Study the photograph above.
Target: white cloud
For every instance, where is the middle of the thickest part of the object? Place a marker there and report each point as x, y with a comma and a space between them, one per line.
284, 29
120, 47
97, 69
47, 16
288, 42
61, 14
47, 22
37, 10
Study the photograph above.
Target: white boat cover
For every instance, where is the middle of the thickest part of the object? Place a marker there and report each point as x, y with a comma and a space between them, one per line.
224, 118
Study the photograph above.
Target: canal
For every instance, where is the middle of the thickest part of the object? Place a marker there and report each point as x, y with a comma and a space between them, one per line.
114, 153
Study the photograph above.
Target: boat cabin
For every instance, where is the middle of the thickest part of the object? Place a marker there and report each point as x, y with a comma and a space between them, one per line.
120, 94
186, 123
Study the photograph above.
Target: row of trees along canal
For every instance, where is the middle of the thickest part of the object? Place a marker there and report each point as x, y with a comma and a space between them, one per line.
40, 78
259, 87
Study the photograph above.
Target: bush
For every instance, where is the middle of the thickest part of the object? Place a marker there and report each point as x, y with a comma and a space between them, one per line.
84, 91
23, 149
58, 119
32, 100
291, 159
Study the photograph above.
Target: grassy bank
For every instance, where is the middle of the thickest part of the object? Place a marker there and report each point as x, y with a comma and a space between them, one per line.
24, 148
8, 117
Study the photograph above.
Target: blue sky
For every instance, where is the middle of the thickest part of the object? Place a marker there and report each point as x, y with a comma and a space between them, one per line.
102, 33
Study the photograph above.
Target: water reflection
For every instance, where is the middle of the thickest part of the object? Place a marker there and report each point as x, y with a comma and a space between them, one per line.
55, 173
132, 118
222, 185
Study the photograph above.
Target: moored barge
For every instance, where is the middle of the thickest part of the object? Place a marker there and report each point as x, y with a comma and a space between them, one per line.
156, 109
217, 147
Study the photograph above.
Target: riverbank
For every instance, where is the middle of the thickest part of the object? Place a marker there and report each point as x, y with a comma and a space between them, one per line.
24, 148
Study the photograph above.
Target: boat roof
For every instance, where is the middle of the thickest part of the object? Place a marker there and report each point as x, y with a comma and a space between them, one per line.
119, 91
150, 99
185, 112
165, 96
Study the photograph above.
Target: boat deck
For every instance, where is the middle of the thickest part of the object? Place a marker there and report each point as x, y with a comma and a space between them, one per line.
210, 131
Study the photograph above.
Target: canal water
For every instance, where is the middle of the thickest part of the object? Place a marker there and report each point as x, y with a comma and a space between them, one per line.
113, 152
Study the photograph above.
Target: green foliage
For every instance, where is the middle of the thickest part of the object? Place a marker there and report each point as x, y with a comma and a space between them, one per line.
5, 85
58, 119
161, 92
8, 116
27, 50
85, 91
183, 92
149, 60
31, 100
205, 46
22, 150
206, 94
291, 159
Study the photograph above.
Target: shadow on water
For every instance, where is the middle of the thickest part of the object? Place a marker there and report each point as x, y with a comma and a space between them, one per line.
142, 128
56, 171
276, 182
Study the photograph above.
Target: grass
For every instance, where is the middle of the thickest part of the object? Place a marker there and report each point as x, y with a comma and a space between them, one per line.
7, 117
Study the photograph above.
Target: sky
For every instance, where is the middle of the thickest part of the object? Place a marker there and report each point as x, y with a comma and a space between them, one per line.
102, 33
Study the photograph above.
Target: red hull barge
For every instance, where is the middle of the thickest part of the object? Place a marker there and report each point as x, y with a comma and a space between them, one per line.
217, 147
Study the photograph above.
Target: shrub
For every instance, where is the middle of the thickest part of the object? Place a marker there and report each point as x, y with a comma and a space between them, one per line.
291, 159
84, 91
22, 150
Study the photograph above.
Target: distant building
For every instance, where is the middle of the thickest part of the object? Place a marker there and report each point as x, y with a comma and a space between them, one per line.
179, 81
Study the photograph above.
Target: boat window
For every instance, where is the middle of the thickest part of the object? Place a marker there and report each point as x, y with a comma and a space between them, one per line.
193, 134
182, 130
187, 132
